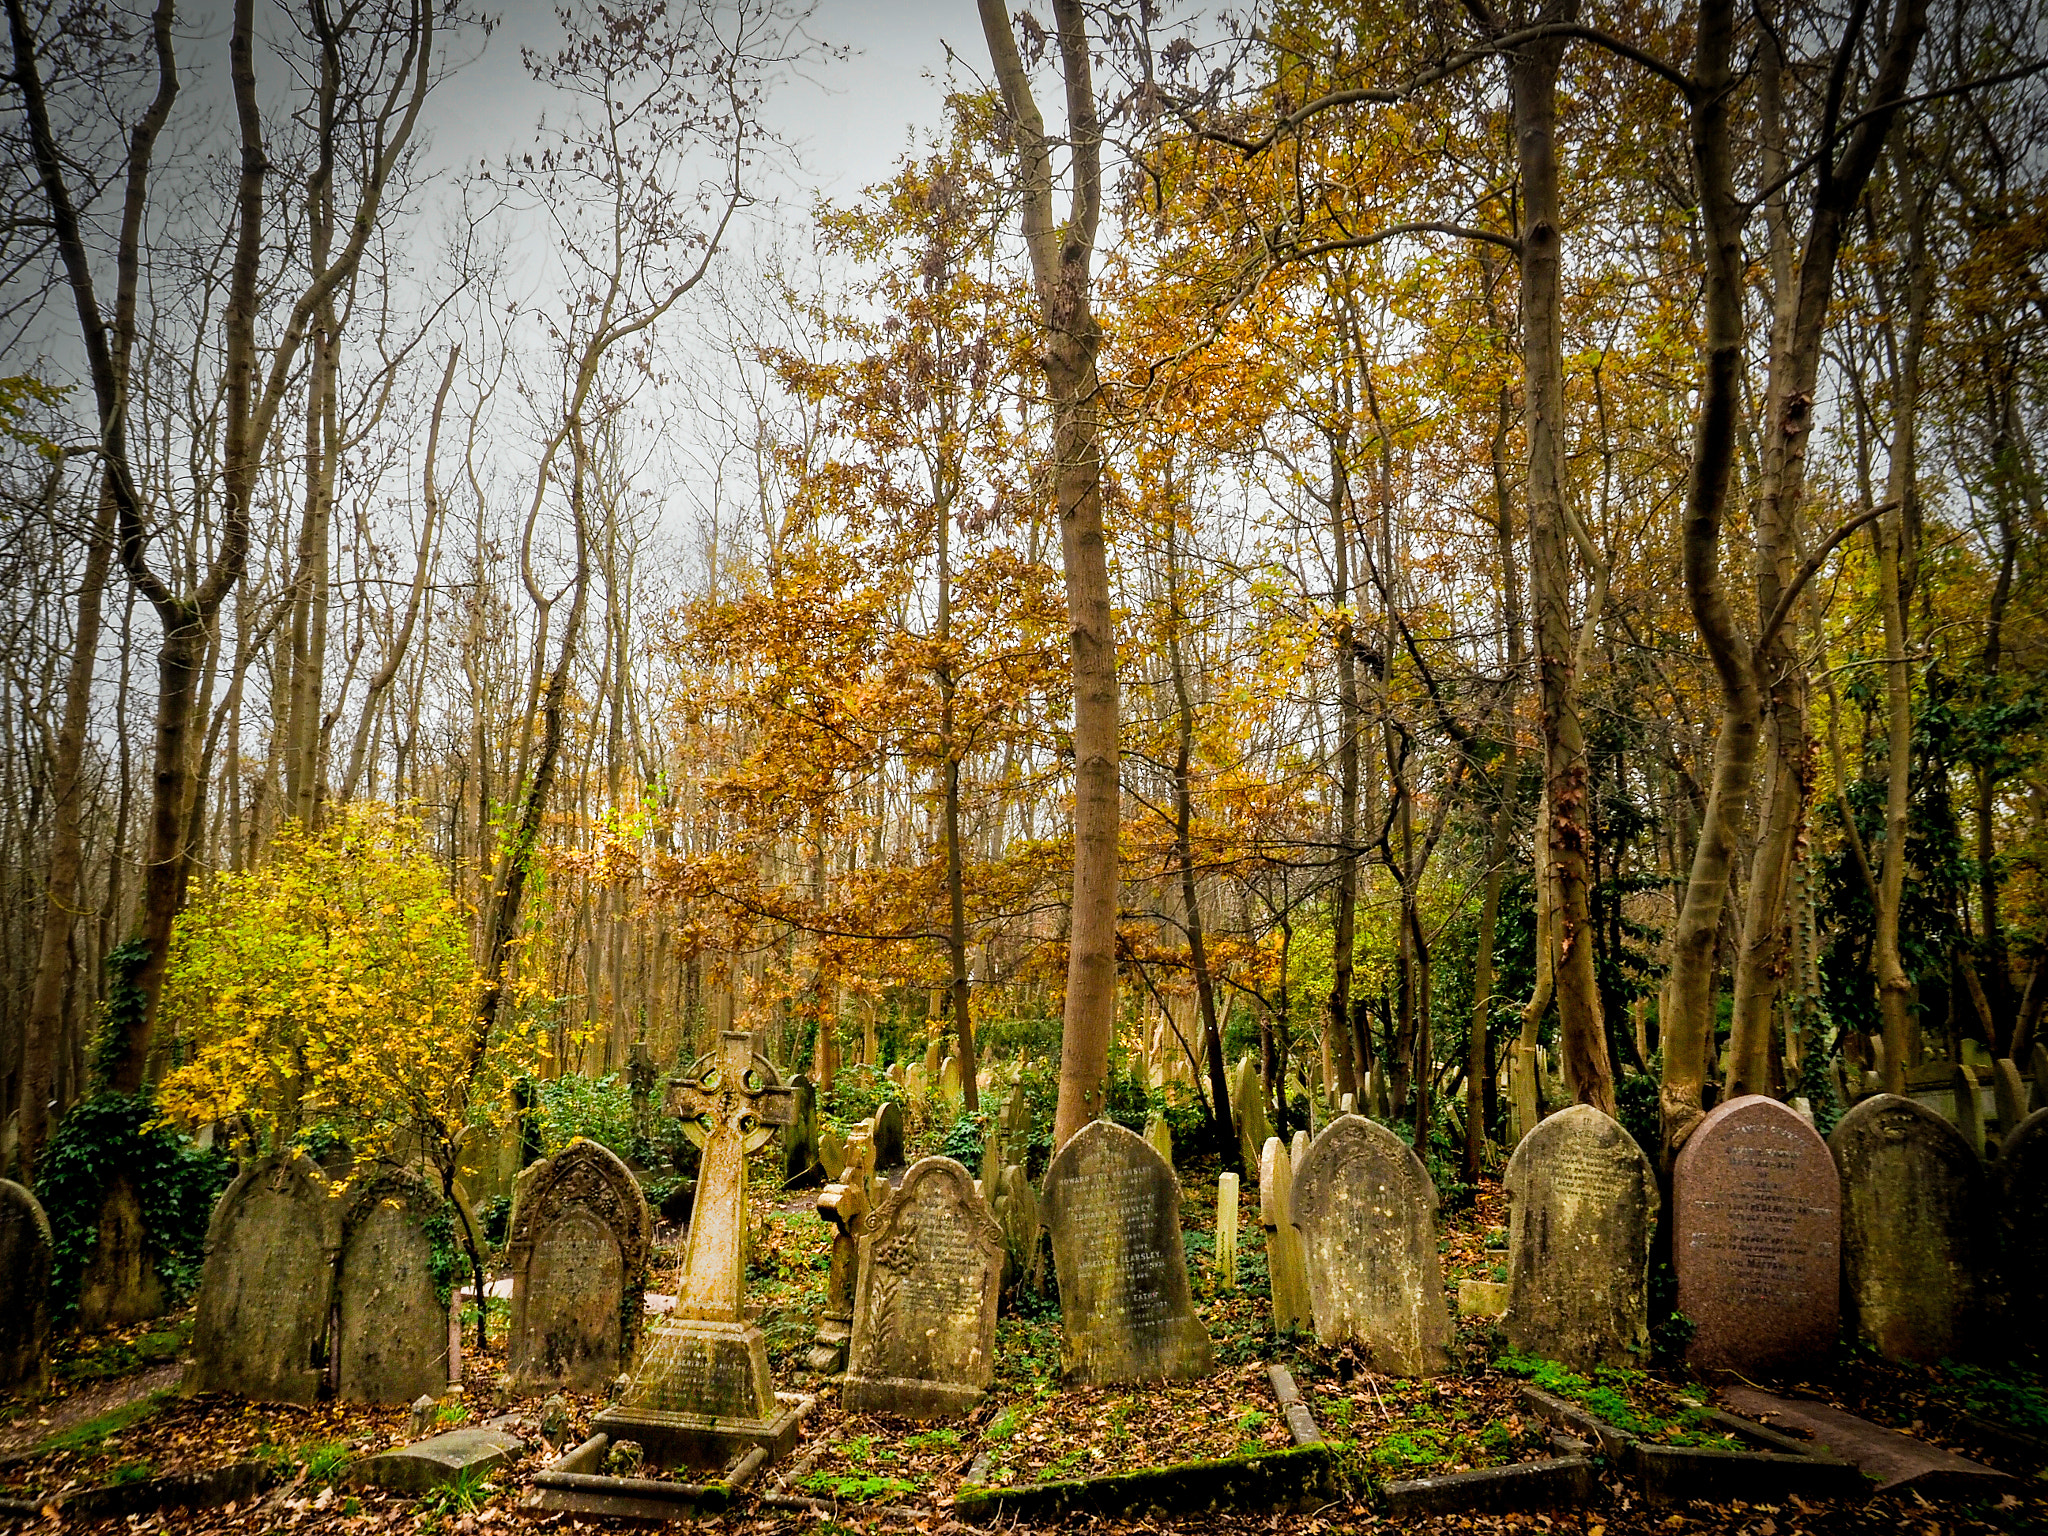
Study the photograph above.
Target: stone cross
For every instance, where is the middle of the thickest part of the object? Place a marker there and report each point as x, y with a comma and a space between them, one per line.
732, 1106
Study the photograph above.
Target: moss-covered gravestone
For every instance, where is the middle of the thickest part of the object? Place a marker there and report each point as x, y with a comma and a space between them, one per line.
1582, 1204
1915, 1229
1113, 1206
260, 1325
924, 1320
578, 1256
1286, 1258
392, 1342
25, 1282
1366, 1209
1756, 1238
120, 1284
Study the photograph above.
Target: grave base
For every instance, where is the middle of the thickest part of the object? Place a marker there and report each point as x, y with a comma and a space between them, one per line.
908, 1399
697, 1440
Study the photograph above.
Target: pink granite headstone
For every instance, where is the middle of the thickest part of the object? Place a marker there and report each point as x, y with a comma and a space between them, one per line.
1756, 1238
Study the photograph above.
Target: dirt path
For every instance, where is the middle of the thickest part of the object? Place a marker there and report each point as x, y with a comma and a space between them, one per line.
37, 1424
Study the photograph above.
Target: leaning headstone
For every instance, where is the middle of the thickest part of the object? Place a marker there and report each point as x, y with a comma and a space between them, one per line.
2040, 1069
25, 1281
2023, 1175
1113, 1205
1159, 1136
392, 1343
800, 1136
1756, 1238
1017, 1129
1366, 1210
1913, 1219
1286, 1263
1969, 1106
120, 1284
831, 1153
1582, 1204
949, 1079
1298, 1149
2011, 1094
1017, 1213
578, 1256
259, 1328
889, 1135
924, 1322
1226, 1231
843, 1205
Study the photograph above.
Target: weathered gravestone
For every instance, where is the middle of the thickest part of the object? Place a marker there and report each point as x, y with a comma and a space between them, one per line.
700, 1391
1248, 1099
888, 1122
392, 1340
1367, 1213
1756, 1238
1914, 1213
1017, 1213
1286, 1263
1113, 1206
1159, 1136
1969, 1101
260, 1325
25, 1283
1017, 1129
120, 1284
2039, 1100
800, 1153
578, 1255
1582, 1204
924, 1321
842, 1205
2023, 1173
1226, 1231
2010, 1091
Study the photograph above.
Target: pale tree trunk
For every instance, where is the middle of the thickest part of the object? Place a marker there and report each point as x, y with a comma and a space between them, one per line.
1061, 256
1787, 429
956, 877
1344, 921
1567, 843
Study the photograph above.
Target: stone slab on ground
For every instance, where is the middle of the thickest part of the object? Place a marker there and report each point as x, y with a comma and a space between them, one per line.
1890, 1459
1482, 1298
428, 1464
1553, 1483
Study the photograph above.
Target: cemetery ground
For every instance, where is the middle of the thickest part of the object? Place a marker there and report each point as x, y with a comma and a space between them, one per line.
113, 1415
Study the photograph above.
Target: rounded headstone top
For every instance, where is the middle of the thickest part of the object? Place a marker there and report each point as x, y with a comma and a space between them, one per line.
1749, 1107
21, 1199
1100, 1138
1355, 1133
1581, 1121
2029, 1137
1886, 1117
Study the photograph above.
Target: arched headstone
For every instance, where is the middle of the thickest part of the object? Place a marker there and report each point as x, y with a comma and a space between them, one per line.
1113, 1206
25, 1282
578, 1256
924, 1317
260, 1325
1366, 1209
392, 1342
1756, 1238
1582, 1205
1914, 1215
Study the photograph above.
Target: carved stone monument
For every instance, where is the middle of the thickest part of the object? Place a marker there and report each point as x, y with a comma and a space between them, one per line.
1582, 1204
1286, 1262
260, 1325
1366, 1209
25, 1281
1114, 1209
1756, 1238
700, 1390
924, 1321
578, 1256
1915, 1224
392, 1344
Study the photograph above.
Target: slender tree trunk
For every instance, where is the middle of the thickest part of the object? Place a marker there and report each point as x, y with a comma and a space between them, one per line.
956, 880
1344, 920
1567, 842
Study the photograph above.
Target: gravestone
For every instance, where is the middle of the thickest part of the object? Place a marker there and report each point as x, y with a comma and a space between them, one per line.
1017, 1213
1914, 1213
895, 1073
991, 1159
2023, 1174
924, 1321
931, 1060
700, 1391
120, 1284
1226, 1231
2040, 1069
1159, 1136
1017, 1129
578, 1255
392, 1341
2011, 1093
800, 1136
842, 1205
1582, 1204
1286, 1263
1248, 1098
25, 1282
889, 1135
831, 1154
1298, 1148
949, 1079
1113, 1205
1969, 1106
1366, 1210
260, 1325
1756, 1238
